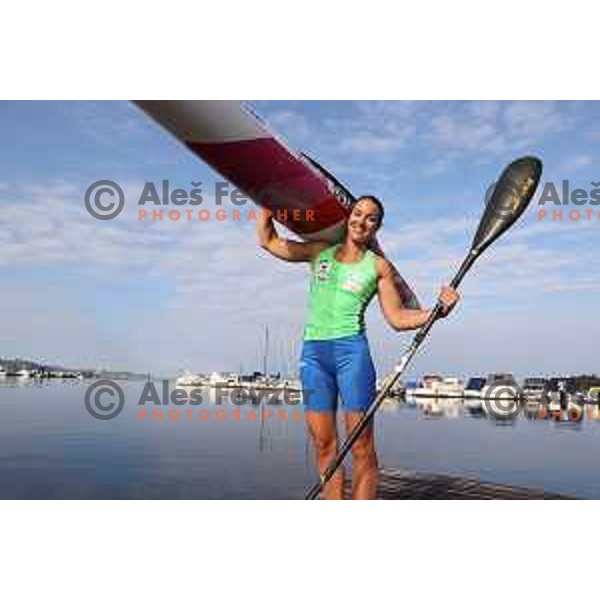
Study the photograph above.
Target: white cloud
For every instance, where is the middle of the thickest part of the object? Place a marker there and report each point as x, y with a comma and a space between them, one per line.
527, 121
491, 129
444, 131
377, 127
460, 132
370, 143
574, 163
292, 124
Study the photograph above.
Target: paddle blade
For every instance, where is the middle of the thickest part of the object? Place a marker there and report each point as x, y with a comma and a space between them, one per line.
509, 199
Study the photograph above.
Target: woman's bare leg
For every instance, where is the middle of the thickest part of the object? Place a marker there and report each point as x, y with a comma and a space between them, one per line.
323, 430
364, 460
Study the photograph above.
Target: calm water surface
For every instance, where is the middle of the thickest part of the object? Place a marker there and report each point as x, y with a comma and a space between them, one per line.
51, 447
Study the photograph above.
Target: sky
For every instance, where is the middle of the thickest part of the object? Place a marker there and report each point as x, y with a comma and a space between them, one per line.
161, 297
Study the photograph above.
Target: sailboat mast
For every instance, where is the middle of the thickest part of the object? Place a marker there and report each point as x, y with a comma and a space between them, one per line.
266, 350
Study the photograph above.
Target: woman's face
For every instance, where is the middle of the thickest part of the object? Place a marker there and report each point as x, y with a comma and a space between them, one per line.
363, 222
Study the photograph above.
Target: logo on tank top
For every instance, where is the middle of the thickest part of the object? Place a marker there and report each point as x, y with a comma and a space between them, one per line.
324, 270
353, 284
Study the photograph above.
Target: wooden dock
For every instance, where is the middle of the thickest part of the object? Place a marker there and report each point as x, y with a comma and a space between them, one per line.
408, 485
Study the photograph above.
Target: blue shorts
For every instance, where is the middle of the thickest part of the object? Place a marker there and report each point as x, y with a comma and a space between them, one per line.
344, 367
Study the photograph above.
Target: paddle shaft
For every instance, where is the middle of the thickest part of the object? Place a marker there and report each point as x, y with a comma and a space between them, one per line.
398, 372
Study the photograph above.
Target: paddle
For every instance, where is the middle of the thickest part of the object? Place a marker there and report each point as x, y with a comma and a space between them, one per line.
509, 199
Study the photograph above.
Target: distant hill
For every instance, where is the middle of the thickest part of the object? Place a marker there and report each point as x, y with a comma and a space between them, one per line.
16, 364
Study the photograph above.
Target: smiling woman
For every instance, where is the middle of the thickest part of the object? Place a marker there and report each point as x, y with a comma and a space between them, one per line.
336, 360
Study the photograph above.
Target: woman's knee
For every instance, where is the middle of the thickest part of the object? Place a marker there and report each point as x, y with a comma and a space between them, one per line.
322, 427
363, 451
325, 445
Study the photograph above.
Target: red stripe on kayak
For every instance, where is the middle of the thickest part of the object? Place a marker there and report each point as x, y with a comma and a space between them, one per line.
276, 179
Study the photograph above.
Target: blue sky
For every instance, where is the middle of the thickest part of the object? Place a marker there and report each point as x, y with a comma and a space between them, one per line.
163, 296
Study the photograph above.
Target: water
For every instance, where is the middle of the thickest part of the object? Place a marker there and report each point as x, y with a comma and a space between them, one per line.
53, 448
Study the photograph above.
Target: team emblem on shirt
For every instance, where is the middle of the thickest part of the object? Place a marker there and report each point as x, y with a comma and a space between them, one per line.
324, 270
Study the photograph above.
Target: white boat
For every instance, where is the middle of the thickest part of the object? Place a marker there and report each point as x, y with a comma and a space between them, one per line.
450, 387
534, 388
188, 379
429, 386
435, 386
3, 373
216, 379
24, 373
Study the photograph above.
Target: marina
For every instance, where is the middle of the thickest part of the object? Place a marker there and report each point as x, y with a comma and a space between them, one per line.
441, 436
504, 386
498, 396
33, 374
552, 392
53, 448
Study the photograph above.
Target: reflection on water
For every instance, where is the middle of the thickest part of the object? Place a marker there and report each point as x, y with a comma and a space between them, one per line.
53, 448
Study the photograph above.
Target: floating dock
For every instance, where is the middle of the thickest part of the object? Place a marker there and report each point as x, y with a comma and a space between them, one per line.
408, 485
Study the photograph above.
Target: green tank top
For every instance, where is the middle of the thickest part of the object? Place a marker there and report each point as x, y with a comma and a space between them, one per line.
339, 295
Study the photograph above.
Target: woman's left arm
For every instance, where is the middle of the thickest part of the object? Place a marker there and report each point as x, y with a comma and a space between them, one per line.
398, 317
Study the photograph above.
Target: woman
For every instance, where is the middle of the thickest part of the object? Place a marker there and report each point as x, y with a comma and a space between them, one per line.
335, 355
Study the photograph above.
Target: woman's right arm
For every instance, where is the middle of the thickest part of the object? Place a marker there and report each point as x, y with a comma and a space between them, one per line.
289, 250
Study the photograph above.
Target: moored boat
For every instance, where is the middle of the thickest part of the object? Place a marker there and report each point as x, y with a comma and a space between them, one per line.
188, 379
474, 387
429, 386
534, 388
451, 387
